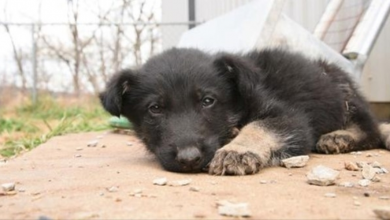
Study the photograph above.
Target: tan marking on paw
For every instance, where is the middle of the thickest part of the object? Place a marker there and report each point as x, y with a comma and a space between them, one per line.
384, 129
340, 141
247, 153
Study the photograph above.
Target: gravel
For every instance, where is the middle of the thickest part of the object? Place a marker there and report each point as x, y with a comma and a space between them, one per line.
351, 166
160, 181
295, 162
364, 182
330, 195
7, 187
179, 182
113, 189
227, 208
194, 188
322, 176
92, 143
368, 172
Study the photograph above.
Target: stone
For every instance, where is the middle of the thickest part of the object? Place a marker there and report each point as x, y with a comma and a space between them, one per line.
194, 189
368, 172
295, 162
346, 184
113, 189
7, 187
180, 182
322, 176
330, 195
351, 166
361, 164
382, 213
160, 181
384, 197
364, 182
227, 208
376, 179
376, 164
92, 143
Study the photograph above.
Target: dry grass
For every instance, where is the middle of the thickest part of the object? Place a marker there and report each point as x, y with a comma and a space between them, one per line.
24, 125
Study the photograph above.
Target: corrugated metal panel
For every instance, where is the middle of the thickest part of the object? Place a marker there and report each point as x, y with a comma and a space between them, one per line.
376, 75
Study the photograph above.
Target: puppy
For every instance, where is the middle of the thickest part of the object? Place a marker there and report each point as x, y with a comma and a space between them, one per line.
234, 114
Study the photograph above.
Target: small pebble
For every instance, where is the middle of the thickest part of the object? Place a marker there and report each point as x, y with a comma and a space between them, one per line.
379, 171
113, 189
368, 172
376, 164
79, 148
7, 187
92, 143
330, 195
322, 176
346, 184
366, 194
361, 164
160, 181
356, 203
180, 182
99, 137
364, 182
351, 166
384, 197
376, 179
194, 188
136, 192
129, 144
227, 208
295, 162
263, 181
368, 155
384, 170
77, 155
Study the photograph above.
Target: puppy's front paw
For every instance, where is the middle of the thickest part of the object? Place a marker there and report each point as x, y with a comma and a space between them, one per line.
230, 162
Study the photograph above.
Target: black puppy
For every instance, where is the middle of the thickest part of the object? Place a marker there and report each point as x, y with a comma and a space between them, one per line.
235, 114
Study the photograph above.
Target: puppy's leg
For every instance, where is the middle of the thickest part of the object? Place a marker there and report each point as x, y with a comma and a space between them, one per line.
361, 133
341, 141
260, 144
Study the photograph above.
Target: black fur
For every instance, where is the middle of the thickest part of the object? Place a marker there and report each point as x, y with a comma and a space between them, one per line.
186, 104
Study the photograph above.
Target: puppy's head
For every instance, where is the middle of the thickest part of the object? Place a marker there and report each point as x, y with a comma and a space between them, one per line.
184, 105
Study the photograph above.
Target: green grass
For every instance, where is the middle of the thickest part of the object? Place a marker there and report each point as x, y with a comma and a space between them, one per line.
67, 119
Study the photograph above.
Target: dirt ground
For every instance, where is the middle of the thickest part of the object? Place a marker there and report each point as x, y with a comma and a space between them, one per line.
65, 179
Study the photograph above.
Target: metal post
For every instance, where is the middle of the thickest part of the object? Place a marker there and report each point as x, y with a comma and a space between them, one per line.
191, 13
34, 65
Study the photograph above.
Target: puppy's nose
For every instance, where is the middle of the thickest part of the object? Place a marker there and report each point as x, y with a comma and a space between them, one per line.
189, 156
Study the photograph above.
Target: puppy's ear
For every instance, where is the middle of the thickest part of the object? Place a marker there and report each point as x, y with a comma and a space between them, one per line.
239, 71
118, 85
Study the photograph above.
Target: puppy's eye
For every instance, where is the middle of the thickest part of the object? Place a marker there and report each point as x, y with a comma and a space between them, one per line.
155, 109
208, 102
